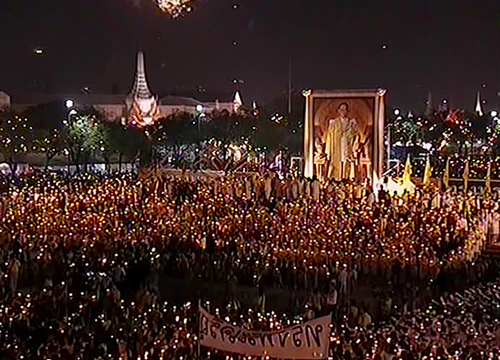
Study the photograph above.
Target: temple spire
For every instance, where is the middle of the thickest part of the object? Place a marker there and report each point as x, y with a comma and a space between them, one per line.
479, 107
142, 106
140, 89
237, 102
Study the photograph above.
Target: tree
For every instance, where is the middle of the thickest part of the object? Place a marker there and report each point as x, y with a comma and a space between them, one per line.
81, 136
228, 128
270, 132
406, 130
286, 130
101, 143
177, 132
124, 142
15, 138
47, 116
49, 143
113, 142
479, 125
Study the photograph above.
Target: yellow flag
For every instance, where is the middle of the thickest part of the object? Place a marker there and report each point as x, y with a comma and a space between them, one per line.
427, 172
446, 175
407, 173
488, 178
466, 175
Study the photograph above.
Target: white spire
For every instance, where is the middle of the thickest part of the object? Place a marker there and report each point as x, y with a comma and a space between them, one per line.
479, 108
237, 102
142, 106
140, 89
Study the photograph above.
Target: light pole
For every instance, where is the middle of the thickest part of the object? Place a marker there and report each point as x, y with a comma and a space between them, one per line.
389, 146
71, 113
38, 53
199, 115
397, 112
70, 106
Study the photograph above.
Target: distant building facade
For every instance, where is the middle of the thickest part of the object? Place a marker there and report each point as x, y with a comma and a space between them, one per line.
4, 100
139, 107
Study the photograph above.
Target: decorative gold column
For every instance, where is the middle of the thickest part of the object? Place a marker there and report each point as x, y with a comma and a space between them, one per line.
308, 135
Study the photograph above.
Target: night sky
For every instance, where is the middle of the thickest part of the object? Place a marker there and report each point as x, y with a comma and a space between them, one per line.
451, 48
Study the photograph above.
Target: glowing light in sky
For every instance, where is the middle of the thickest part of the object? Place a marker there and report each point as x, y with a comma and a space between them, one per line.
175, 8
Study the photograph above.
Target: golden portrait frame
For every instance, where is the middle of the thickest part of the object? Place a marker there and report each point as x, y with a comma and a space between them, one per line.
344, 134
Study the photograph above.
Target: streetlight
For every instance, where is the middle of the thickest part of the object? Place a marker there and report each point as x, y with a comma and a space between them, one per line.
71, 113
69, 124
69, 103
493, 113
199, 115
389, 126
397, 112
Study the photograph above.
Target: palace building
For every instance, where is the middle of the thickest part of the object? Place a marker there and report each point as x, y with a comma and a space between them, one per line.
139, 108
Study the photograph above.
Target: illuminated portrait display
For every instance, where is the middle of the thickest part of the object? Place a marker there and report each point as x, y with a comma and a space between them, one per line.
344, 134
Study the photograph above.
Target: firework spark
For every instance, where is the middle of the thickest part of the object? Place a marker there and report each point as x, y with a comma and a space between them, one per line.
175, 8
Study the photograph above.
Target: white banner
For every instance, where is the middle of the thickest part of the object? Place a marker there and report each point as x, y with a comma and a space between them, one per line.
310, 340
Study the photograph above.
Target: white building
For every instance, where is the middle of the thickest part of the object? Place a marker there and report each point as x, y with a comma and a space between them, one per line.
119, 107
4, 100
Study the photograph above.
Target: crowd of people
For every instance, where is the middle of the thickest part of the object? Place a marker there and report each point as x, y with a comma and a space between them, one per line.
462, 325
82, 260
95, 323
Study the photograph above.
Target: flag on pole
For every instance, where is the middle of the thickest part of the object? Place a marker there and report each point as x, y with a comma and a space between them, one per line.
427, 172
446, 175
375, 183
488, 178
466, 175
408, 170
